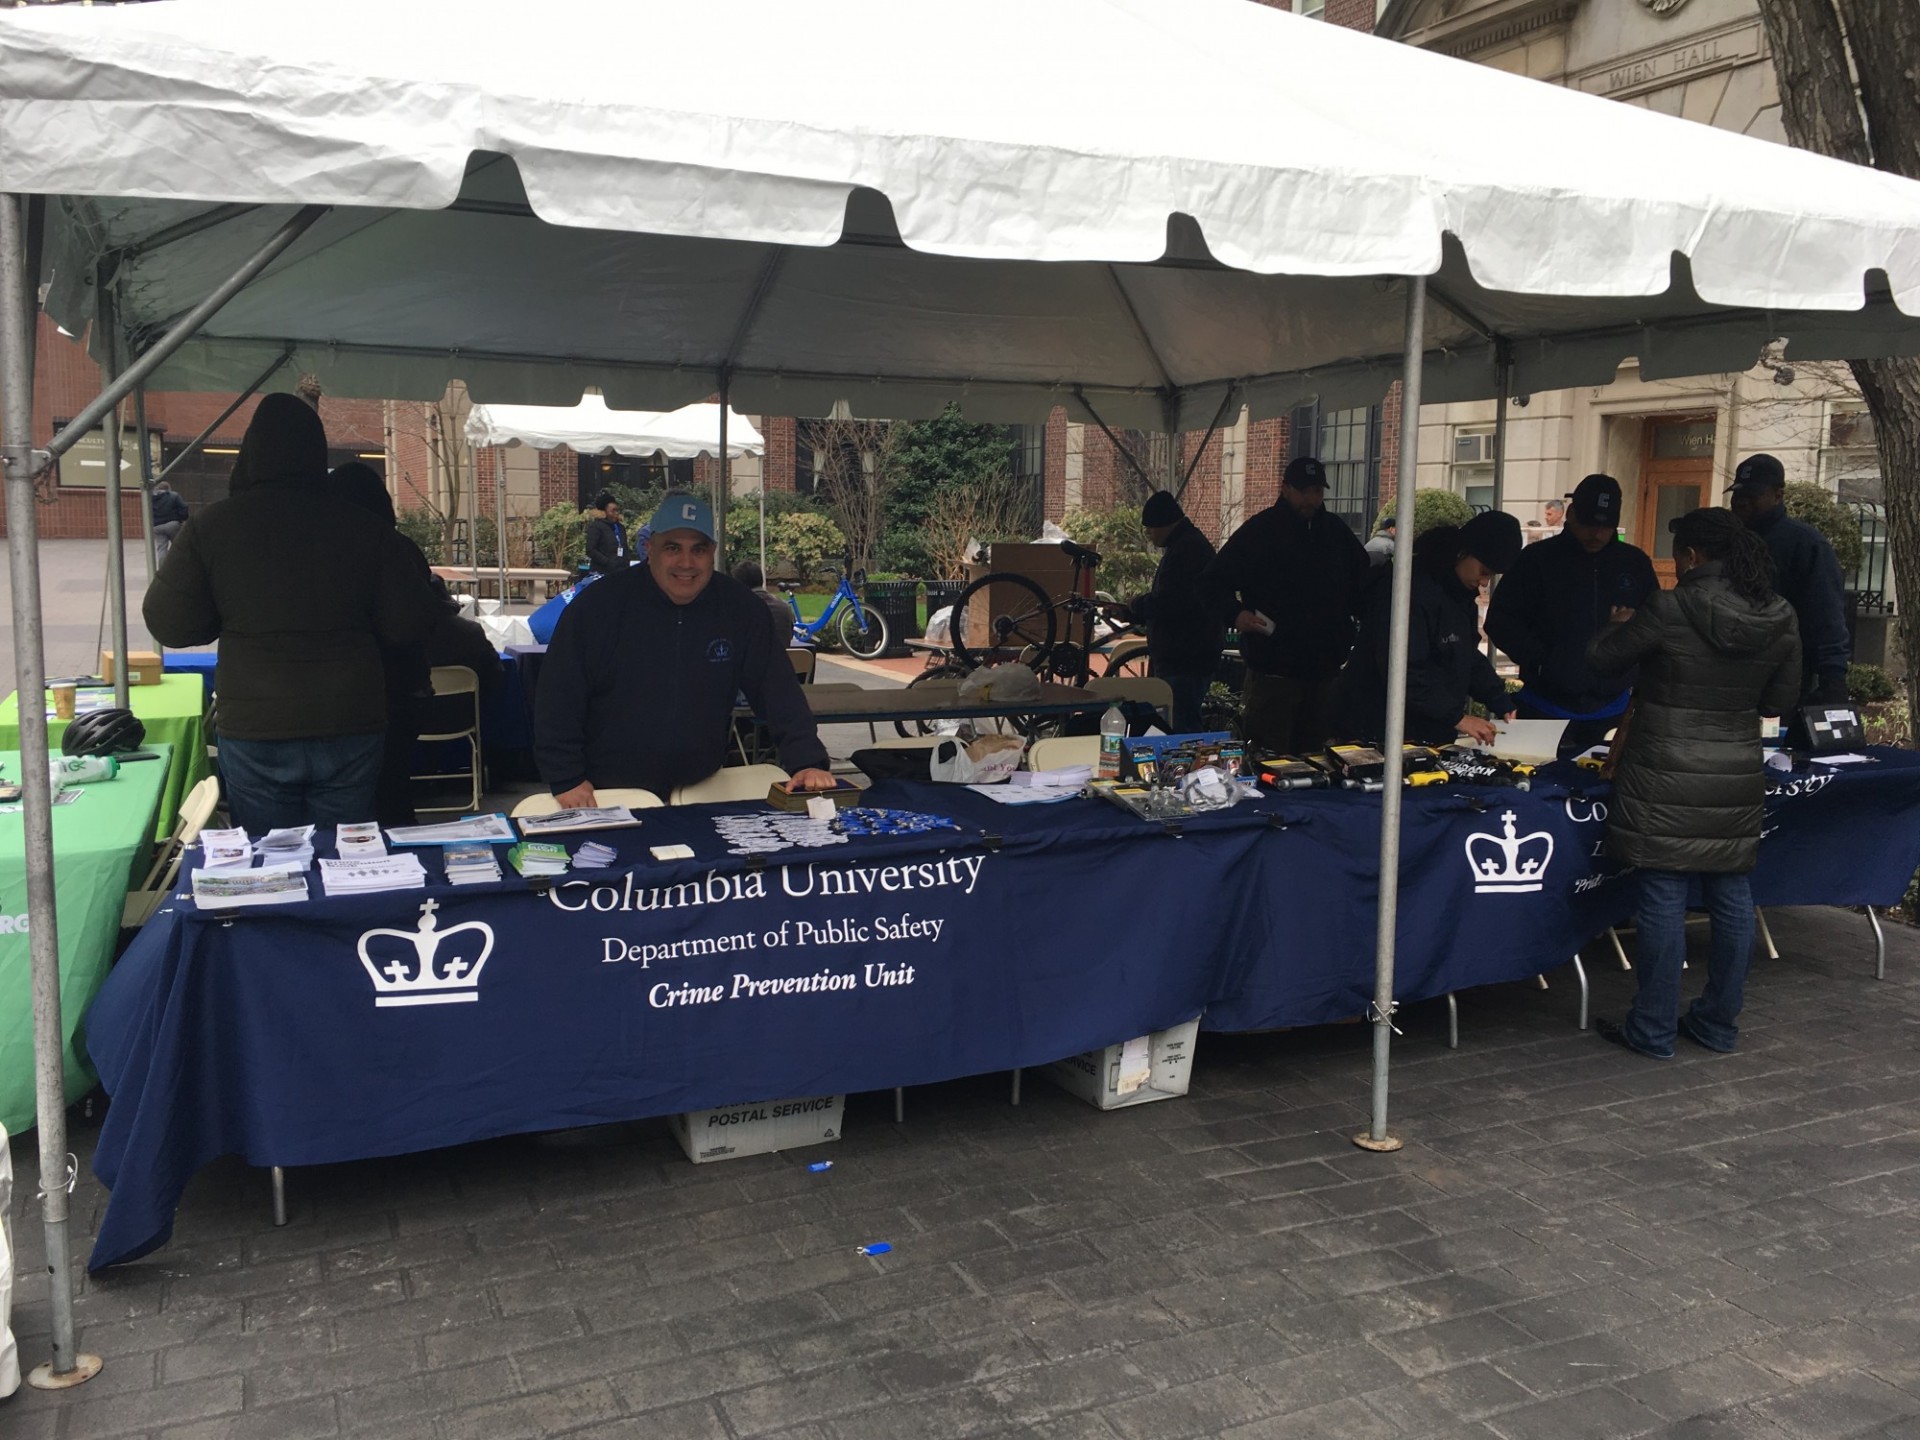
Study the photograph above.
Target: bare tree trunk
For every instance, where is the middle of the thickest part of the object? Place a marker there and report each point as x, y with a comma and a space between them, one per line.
1880, 126
1888, 66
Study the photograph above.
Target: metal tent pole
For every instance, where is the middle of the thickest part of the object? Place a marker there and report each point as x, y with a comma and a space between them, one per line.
19, 465
1376, 1137
723, 491
1504, 376
193, 445
116, 527
500, 519
146, 476
181, 331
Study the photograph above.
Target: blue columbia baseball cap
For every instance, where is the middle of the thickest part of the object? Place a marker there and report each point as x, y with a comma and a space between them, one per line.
682, 512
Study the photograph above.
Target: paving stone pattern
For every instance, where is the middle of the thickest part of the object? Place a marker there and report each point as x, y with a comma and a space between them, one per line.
1575, 1242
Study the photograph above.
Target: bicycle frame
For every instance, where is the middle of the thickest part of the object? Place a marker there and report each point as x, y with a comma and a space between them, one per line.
807, 632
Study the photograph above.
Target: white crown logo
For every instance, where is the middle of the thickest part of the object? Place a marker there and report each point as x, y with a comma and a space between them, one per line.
410, 970
1499, 865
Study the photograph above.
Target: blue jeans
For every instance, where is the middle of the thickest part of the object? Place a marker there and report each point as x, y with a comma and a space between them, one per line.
275, 783
1651, 1024
1188, 692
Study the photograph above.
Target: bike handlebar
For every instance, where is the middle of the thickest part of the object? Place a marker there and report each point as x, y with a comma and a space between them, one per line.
1079, 554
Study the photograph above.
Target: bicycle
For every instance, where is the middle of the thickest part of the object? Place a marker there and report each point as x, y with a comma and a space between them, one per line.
1020, 621
861, 632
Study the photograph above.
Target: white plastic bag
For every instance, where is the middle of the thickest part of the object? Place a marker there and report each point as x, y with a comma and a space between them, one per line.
940, 626
989, 759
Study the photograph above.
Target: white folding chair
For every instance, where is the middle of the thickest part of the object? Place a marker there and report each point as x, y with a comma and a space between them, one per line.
1057, 752
735, 782
805, 661
1157, 693
631, 797
449, 681
195, 811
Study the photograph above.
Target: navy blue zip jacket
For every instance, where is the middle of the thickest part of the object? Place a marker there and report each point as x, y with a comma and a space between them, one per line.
1548, 607
638, 691
1806, 574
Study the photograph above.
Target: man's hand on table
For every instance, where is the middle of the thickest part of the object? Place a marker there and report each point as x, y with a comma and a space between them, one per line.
578, 798
810, 780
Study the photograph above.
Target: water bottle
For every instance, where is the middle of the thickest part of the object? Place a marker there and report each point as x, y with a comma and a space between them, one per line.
64, 770
1113, 737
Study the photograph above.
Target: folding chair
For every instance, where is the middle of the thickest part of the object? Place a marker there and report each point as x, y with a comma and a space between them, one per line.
735, 782
1156, 693
450, 681
805, 661
632, 798
195, 811
1056, 752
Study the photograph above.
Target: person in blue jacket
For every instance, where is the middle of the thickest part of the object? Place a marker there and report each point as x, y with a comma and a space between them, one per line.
638, 685
1806, 574
1556, 597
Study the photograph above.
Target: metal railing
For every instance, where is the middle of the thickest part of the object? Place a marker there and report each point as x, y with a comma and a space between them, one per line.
1869, 581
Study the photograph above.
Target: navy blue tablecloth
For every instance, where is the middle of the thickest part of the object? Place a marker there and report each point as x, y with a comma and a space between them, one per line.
294, 1035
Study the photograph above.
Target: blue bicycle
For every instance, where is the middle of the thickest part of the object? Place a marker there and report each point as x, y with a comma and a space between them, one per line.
861, 632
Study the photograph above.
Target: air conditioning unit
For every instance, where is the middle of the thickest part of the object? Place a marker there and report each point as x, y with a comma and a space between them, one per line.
1473, 449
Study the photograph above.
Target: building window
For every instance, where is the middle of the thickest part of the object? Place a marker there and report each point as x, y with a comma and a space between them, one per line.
1028, 458
1350, 449
805, 479
1473, 447
1849, 462
1313, 9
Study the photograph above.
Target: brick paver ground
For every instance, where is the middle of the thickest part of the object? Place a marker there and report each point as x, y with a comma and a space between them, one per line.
1575, 1242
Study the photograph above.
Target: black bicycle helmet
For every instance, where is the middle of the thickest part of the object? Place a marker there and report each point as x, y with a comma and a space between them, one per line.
104, 732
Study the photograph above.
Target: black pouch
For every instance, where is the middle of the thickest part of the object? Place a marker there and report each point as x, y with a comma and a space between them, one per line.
1825, 729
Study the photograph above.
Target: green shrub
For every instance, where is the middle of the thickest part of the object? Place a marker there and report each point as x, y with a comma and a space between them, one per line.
560, 536
423, 528
1813, 504
1431, 509
1127, 557
1869, 683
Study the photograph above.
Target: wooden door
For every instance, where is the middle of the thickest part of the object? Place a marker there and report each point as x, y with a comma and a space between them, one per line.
1676, 476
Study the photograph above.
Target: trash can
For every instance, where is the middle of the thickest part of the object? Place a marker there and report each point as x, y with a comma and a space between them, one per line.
898, 602
942, 593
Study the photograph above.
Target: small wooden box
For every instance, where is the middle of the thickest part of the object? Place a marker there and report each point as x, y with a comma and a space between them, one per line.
844, 792
143, 669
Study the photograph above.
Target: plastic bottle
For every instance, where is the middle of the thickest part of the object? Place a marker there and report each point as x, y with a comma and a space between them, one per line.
1113, 736
64, 770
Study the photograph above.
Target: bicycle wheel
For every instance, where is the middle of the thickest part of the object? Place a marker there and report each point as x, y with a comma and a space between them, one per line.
864, 641
1129, 657
943, 675
1015, 614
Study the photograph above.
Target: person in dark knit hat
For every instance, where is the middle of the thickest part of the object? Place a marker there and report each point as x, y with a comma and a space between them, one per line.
1806, 574
1446, 667
1555, 599
1184, 629
1714, 654
1290, 582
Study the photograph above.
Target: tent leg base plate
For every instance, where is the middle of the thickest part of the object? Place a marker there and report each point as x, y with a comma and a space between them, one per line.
85, 1367
1385, 1146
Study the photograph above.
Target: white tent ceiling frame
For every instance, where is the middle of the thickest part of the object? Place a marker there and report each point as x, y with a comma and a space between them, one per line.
1157, 230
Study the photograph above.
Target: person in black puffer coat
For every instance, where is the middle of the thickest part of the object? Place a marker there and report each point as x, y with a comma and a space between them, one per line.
1184, 630
1446, 667
1715, 653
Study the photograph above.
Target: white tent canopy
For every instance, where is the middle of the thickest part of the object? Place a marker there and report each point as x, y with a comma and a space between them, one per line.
1213, 194
590, 428
1214, 201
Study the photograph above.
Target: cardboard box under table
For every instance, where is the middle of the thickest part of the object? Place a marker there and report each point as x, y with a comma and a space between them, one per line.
727, 1132
1150, 1067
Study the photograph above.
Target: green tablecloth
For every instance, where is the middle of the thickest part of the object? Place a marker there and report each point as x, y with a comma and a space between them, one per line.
173, 712
98, 840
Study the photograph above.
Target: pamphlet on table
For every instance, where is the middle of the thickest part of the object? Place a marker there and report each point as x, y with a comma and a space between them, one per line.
492, 829
362, 877
268, 885
561, 822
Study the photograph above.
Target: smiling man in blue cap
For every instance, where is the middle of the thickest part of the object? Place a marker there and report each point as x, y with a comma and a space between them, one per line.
639, 682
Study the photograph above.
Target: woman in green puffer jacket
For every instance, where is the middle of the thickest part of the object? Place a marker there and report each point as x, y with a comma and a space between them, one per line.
1715, 653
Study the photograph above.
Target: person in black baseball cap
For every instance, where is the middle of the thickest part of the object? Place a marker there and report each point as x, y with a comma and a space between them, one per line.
1184, 630
1806, 573
1561, 593
1446, 668
1290, 581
